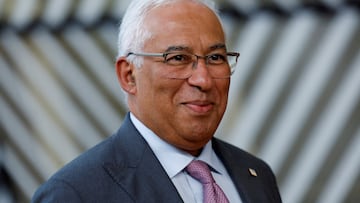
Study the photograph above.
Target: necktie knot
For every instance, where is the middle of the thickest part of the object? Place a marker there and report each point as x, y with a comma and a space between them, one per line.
200, 171
212, 193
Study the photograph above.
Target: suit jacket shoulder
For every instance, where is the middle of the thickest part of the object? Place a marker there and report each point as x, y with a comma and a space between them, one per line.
122, 168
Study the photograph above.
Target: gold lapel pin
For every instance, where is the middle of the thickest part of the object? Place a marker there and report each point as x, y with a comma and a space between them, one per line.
252, 172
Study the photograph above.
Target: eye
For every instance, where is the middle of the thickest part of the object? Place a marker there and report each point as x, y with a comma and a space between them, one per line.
216, 58
178, 58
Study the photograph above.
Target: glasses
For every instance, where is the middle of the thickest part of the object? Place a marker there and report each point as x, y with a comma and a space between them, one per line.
181, 64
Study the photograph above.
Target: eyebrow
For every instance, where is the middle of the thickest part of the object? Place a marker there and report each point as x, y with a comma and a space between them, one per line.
186, 48
177, 48
217, 46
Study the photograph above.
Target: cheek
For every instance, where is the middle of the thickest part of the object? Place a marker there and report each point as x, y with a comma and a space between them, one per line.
155, 92
223, 88
222, 95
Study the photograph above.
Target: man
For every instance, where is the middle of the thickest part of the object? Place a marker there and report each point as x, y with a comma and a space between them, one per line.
174, 67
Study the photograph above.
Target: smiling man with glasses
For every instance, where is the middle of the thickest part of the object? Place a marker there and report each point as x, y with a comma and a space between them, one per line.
174, 66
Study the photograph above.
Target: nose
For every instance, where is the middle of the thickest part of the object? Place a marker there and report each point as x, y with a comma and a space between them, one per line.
200, 76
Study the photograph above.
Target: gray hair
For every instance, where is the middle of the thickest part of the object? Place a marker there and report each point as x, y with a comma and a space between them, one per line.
133, 35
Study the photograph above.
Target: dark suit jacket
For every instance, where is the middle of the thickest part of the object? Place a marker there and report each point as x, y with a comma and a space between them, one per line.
123, 168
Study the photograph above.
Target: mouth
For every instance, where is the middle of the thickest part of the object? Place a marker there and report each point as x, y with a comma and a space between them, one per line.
199, 107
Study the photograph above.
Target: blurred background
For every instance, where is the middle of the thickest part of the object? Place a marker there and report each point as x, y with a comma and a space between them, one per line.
294, 98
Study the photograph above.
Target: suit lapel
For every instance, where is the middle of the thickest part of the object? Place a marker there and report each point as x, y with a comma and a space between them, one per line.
249, 186
137, 170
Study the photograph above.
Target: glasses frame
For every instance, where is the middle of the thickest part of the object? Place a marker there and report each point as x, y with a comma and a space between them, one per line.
164, 55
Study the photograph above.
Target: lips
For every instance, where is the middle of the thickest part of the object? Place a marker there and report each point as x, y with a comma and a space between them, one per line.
200, 106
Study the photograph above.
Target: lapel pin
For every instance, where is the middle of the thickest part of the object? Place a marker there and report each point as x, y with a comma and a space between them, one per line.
252, 172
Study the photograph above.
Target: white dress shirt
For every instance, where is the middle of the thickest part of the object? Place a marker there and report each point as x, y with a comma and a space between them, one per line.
174, 160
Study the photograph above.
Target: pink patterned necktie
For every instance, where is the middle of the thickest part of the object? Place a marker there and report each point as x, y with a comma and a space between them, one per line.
211, 191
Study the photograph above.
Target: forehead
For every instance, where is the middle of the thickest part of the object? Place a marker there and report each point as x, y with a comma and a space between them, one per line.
184, 23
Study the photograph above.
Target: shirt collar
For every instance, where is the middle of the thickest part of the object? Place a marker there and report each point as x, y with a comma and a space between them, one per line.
167, 153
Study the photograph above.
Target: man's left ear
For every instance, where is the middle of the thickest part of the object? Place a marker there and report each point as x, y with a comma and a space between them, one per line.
125, 75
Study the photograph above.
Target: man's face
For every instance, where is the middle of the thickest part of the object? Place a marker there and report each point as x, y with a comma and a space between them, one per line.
183, 112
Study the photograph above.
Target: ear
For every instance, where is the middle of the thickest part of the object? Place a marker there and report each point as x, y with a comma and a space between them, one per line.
125, 75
